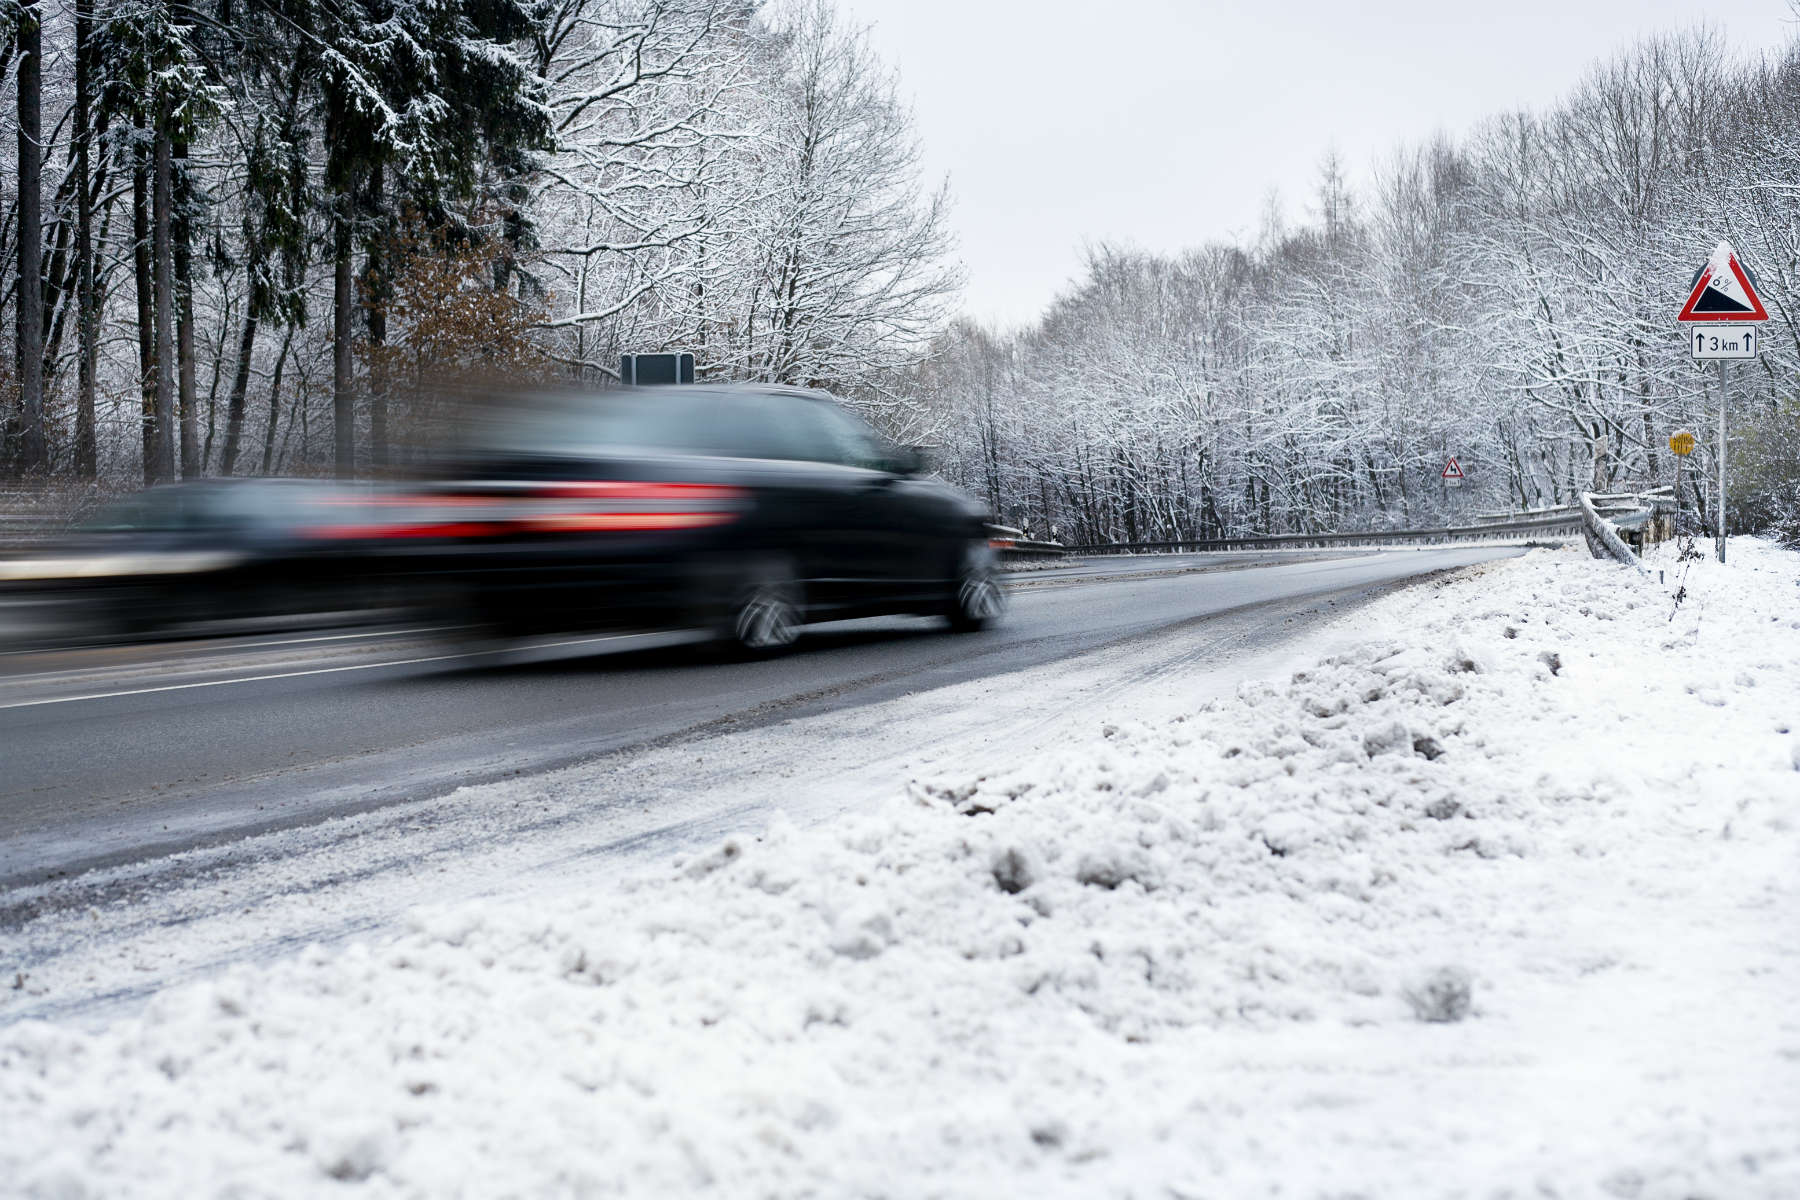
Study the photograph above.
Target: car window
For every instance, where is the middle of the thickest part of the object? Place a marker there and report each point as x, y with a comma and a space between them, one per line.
590, 424
738, 424
836, 436
758, 425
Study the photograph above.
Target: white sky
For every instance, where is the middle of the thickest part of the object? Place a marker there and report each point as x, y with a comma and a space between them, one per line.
1165, 124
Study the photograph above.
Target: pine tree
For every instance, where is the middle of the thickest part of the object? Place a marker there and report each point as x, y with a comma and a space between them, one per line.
432, 91
87, 302
31, 453
153, 74
276, 196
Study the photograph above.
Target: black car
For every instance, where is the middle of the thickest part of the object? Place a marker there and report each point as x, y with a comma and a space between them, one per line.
744, 510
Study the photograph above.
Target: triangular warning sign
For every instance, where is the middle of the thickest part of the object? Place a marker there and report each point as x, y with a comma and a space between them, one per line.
1722, 291
1453, 470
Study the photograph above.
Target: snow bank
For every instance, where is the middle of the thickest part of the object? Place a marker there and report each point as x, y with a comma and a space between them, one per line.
1497, 900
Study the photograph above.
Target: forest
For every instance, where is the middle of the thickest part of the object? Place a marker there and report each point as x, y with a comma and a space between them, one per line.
261, 236
266, 236
1507, 298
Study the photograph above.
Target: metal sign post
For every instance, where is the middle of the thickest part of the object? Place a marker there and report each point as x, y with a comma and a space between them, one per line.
1681, 444
1722, 304
1721, 460
1721, 344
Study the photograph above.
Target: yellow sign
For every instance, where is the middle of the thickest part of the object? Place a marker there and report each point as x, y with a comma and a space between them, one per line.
1682, 443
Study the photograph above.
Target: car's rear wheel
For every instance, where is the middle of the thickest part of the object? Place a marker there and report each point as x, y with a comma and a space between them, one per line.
766, 616
978, 601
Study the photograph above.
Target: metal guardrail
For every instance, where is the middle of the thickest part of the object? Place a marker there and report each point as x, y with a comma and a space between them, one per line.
1013, 544
1550, 522
1501, 518
26, 518
19, 528
28, 515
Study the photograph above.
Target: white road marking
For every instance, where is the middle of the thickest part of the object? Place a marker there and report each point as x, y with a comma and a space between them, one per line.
195, 650
340, 637
206, 683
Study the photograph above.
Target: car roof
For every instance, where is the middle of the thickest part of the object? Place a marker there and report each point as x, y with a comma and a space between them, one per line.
704, 390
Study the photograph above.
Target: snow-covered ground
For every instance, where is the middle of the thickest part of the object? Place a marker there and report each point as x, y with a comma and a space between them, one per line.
1498, 897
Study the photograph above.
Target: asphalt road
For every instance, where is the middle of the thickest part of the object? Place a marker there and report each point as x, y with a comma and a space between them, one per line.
112, 756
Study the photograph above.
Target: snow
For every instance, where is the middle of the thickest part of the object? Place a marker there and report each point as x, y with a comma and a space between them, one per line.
1720, 276
1718, 264
1492, 897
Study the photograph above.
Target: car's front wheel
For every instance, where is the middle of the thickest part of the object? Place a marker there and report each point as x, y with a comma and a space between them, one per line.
978, 600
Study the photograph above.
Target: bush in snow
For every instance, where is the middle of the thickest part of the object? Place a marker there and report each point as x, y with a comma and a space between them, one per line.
1442, 996
1765, 474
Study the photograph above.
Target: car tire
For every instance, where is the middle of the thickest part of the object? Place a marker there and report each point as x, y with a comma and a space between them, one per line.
766, 614
977, 601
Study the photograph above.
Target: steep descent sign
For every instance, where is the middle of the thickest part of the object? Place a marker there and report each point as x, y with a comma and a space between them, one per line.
1722, 291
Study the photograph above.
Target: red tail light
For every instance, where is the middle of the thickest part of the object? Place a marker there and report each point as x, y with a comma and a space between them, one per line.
569, 507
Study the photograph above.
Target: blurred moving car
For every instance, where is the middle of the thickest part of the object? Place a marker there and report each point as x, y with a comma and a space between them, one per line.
744, 510
200, 551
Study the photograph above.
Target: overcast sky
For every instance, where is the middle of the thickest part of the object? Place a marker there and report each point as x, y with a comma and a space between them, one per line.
1165, 123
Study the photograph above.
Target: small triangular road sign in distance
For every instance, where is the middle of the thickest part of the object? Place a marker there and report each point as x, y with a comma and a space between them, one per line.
1453, 469
1723, 291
